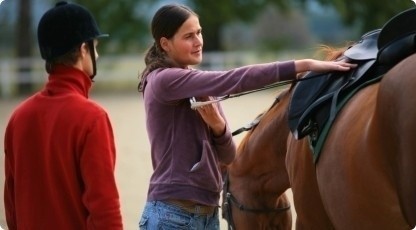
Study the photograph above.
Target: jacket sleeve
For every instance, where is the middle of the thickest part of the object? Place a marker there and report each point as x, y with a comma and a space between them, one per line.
9, 201
97, 169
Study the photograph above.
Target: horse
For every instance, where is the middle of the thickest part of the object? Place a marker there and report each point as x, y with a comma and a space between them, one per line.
364, 176
255, 182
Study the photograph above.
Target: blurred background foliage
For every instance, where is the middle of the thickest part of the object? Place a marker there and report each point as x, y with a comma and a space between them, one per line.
260, 23
228, 25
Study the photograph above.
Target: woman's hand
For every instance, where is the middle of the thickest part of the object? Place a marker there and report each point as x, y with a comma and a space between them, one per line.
322, 66
212, 117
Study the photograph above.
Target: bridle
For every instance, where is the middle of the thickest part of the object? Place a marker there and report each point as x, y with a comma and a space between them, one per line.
229, 200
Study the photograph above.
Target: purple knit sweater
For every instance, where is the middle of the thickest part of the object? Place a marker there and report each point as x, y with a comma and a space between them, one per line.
185, 154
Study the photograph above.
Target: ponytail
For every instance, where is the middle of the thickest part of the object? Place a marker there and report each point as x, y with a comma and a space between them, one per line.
155, 58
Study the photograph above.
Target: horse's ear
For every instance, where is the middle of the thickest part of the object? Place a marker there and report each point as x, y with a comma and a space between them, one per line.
397, 27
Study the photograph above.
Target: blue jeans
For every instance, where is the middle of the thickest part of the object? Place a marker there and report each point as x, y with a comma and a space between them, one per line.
158, 215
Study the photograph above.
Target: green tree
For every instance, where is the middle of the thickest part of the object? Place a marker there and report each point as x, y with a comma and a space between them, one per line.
216, 14
124, 20
127, 21
368, 14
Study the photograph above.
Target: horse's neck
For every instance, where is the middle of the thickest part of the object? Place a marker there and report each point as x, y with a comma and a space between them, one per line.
265, 144
260, 160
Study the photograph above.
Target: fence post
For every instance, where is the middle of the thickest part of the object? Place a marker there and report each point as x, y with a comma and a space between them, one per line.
5, 79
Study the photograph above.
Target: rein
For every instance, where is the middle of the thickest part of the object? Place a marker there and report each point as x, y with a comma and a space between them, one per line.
254, 123
230, 201
196, 104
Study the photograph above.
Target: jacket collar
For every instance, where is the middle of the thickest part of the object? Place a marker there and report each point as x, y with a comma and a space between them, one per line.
65, 79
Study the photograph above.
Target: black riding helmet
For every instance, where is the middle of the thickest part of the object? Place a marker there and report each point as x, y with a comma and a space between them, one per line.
63, 28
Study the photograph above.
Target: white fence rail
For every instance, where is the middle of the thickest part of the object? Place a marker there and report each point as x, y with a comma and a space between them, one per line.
114, 72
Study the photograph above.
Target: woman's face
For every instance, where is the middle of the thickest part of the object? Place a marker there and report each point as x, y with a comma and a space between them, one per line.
185, 47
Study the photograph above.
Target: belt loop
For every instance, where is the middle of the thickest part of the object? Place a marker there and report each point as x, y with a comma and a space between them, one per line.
197, 209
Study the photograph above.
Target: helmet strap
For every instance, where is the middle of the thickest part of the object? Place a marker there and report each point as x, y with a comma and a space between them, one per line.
92, 53
48, 67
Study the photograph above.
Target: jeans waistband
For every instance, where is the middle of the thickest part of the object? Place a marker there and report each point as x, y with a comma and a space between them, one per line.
192, 207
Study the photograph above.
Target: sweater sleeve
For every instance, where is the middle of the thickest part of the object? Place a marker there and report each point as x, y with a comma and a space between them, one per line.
171, 84
224, 144
97, 167
225, 147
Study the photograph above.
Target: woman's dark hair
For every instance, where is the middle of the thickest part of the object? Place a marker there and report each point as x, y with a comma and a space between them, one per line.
166, 21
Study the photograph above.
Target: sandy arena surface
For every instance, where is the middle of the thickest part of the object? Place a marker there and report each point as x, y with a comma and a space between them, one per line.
133, 167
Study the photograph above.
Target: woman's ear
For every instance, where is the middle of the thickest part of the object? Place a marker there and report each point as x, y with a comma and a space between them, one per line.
164, 43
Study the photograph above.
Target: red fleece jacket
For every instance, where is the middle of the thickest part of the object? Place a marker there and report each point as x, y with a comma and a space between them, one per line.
60, 160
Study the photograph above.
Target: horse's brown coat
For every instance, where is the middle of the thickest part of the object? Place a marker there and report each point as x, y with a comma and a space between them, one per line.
365, 177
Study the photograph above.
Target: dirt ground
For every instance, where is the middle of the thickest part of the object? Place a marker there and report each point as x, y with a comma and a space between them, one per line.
133, 167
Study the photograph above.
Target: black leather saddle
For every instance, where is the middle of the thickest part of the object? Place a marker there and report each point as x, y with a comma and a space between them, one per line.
315, 98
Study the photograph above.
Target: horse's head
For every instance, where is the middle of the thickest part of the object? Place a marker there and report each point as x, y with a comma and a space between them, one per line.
253, 194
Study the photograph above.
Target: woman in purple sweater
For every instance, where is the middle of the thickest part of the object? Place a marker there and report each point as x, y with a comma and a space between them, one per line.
188, 146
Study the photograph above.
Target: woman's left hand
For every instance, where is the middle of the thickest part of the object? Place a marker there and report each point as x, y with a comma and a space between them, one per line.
212, 117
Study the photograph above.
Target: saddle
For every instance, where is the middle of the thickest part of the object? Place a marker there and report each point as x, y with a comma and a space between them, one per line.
315, 100
314, 97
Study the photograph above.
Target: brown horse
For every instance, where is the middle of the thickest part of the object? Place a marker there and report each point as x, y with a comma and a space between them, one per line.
364, 178
254, 192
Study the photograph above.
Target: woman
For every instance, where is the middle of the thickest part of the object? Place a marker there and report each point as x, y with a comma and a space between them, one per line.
187, 146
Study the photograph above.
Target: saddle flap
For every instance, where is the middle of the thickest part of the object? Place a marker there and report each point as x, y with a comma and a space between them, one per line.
304, 94
364, 49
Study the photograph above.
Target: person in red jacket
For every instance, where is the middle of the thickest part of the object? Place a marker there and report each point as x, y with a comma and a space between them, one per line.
59, 145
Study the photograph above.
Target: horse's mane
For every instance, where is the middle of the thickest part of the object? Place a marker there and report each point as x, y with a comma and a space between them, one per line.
330, 53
